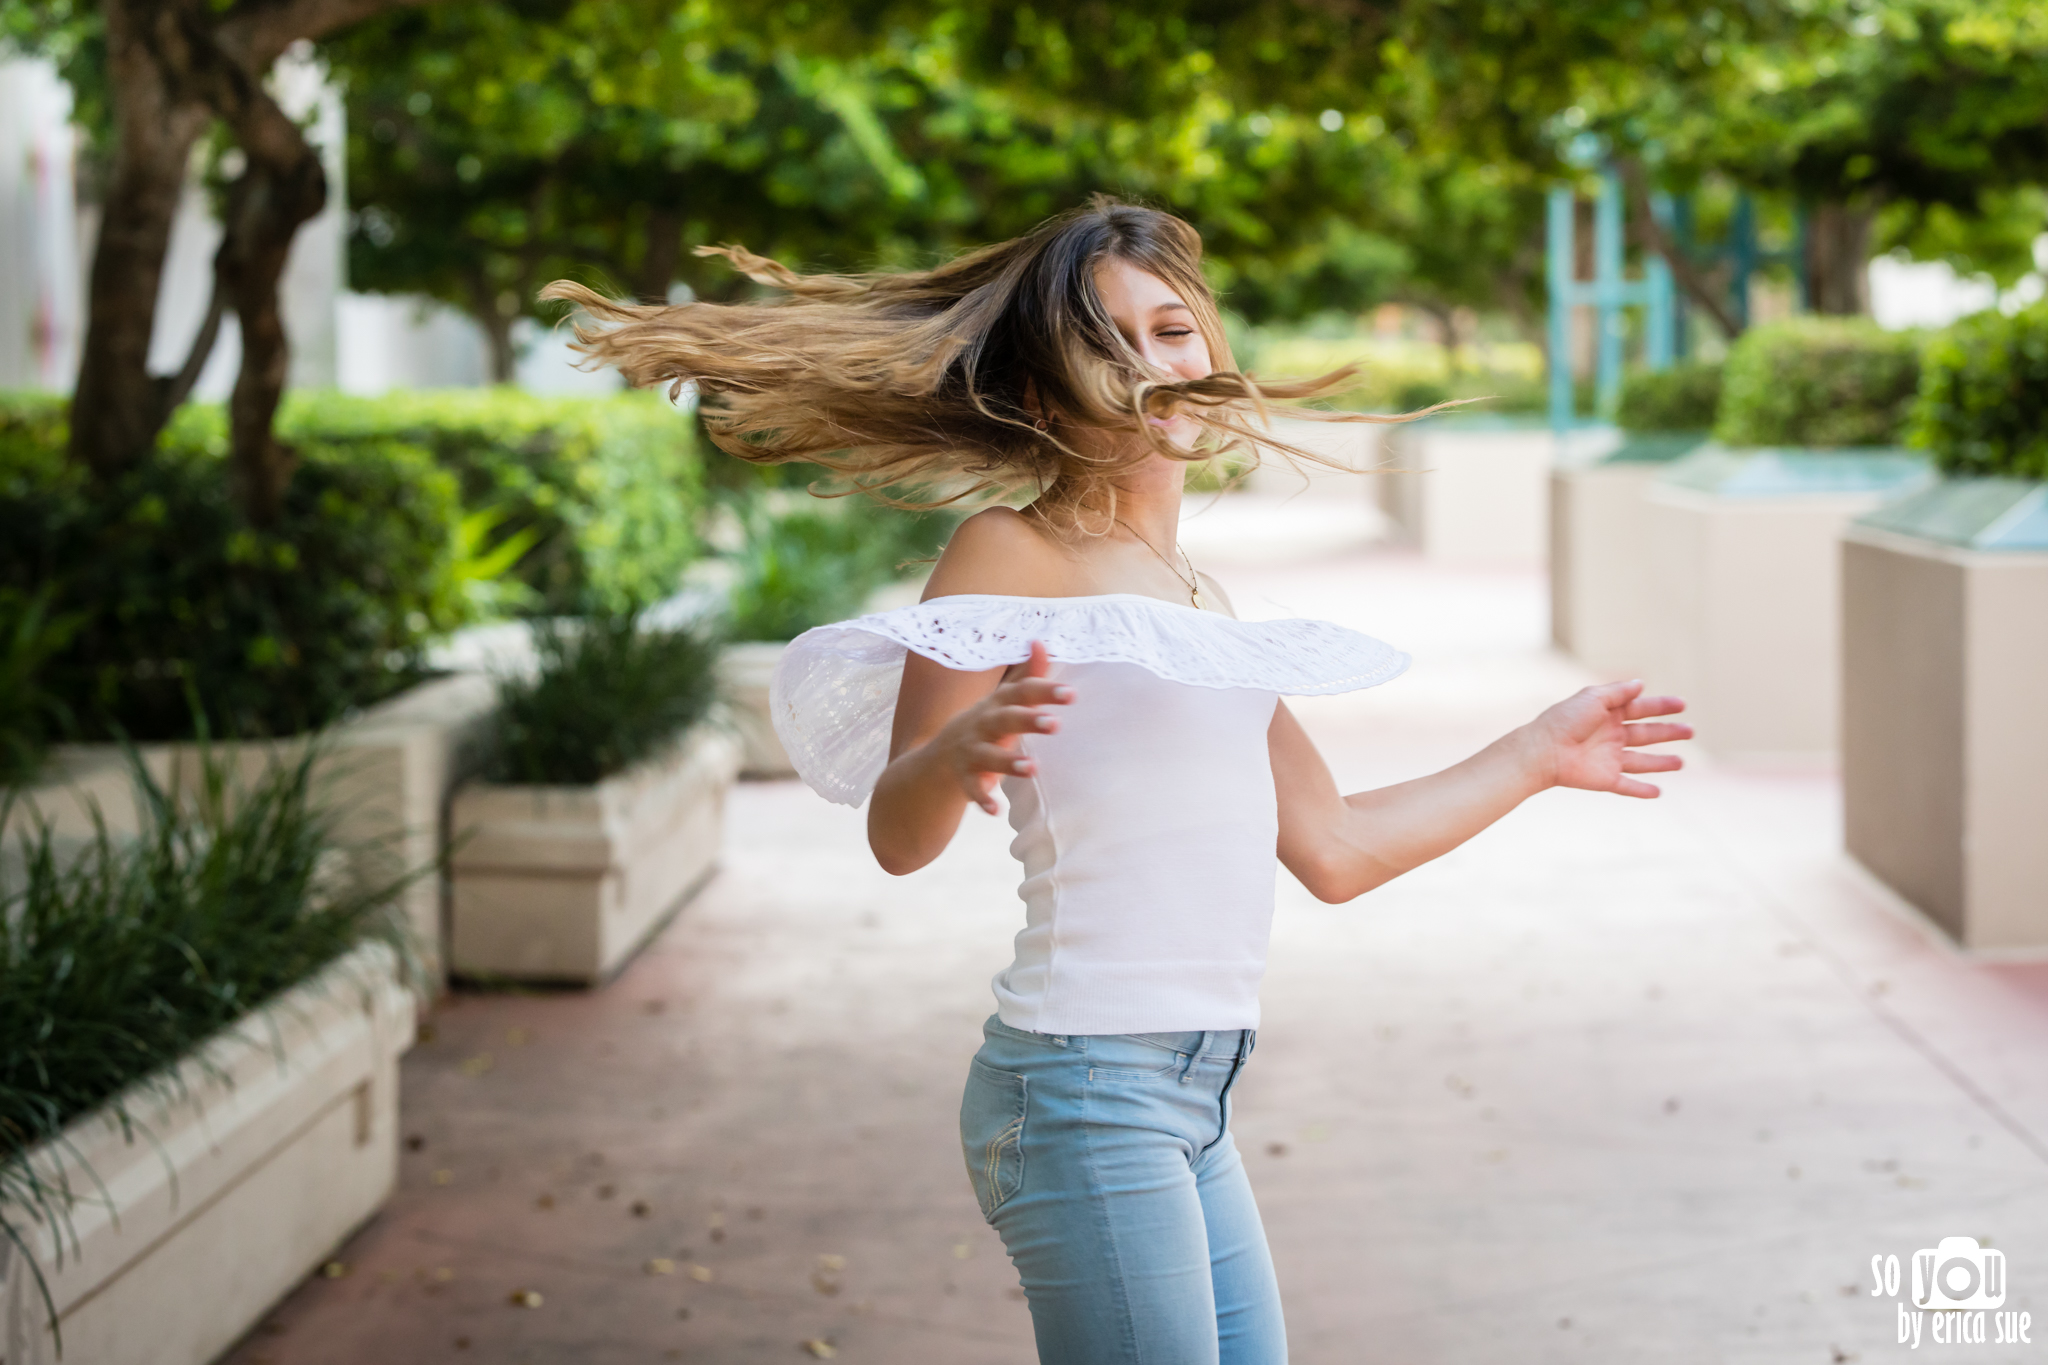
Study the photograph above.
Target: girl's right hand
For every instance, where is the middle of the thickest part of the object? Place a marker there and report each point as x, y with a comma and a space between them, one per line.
979, 746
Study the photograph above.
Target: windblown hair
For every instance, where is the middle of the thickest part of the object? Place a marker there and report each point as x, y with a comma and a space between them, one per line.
913, 385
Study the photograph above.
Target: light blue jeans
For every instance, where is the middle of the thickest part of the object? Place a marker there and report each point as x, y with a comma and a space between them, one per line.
1105, 1161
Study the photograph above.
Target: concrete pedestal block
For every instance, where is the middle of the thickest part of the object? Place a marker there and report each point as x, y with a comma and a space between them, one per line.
1603, 596
566, 883
1944, 744
1352, 451
386, 775
1470, 489
745, 669
1748, 579
269, 1147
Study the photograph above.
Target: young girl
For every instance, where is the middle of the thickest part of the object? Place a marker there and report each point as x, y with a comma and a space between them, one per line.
1070, 653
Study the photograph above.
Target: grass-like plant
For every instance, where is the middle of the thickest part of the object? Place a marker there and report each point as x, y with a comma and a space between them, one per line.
119, 959
30, 712
608, 694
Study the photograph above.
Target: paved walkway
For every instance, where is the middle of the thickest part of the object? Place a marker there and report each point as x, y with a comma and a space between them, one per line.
1618, 1081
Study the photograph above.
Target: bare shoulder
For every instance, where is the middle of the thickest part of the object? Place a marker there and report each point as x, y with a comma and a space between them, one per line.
1001, 551
1212, 591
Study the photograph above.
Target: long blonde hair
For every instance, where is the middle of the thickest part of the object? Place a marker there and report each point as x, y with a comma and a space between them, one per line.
912, 385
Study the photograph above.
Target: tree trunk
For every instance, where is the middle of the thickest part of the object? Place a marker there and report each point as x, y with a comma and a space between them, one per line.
265, 210
497, 328
1838, 259
664, 251
117, 408
173, 66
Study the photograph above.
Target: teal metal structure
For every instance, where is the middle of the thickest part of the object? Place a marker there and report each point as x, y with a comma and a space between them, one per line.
1608, 293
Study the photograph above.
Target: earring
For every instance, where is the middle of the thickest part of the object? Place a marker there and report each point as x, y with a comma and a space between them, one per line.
1039, 425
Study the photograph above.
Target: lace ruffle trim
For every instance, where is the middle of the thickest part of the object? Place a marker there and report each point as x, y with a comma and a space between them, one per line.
833, 696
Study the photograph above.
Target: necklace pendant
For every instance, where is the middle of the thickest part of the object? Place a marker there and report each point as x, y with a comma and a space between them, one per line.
1195, 597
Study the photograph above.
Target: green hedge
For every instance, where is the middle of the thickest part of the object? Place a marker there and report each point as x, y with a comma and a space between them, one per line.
1818, 381
1684, 397
171, 599
611, 489
1983, 404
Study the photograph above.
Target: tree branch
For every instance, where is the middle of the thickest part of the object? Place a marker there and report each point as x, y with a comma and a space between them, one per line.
256, 32
1651, 234
175, 389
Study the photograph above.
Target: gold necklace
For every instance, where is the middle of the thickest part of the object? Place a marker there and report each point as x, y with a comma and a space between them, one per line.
1191, 582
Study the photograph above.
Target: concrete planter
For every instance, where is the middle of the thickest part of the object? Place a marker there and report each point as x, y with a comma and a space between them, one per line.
1603, 598
387, 776
1747, 576
745, 670
566, 883
1471, 489
1944, 745
285, 1142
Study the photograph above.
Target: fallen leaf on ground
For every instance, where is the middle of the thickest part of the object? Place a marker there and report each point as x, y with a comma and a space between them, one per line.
829, 1261
479, 1064
515, 1037
442, 1274
546, 1201
640, 1209
820, 1349
703, 1274
525, 1298
334, 1270
962, 1250
661, 1265
1276, 1149
444, 1176
607, 1191
414, 1142
824, 1283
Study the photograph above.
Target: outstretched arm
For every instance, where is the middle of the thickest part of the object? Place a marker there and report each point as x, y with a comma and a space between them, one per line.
1344, 846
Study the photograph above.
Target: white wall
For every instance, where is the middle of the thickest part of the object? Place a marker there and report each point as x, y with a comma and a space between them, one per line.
1907, 293
404, 341
41, 303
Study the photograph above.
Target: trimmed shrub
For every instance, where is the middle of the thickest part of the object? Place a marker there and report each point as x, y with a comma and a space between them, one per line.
607, 695
1818, 381
1681, 398
179, 611
609, 489
1983, 404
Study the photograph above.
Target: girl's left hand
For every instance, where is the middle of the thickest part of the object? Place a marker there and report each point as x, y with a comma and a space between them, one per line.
1586, 740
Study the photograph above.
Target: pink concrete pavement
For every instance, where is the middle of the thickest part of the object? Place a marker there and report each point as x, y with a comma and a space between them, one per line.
1618, 1081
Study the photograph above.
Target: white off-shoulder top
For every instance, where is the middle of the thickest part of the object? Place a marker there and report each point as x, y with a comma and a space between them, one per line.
1147, 832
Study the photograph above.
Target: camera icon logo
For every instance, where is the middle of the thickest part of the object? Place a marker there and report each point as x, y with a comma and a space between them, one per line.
1958, 1274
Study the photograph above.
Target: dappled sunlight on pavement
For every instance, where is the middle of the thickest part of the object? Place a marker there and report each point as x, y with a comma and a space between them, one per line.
1616, 1081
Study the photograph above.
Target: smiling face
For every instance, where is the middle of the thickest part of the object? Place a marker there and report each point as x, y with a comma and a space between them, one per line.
1160, 327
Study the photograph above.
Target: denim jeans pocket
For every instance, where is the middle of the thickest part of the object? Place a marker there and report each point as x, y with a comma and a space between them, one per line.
992, 1116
